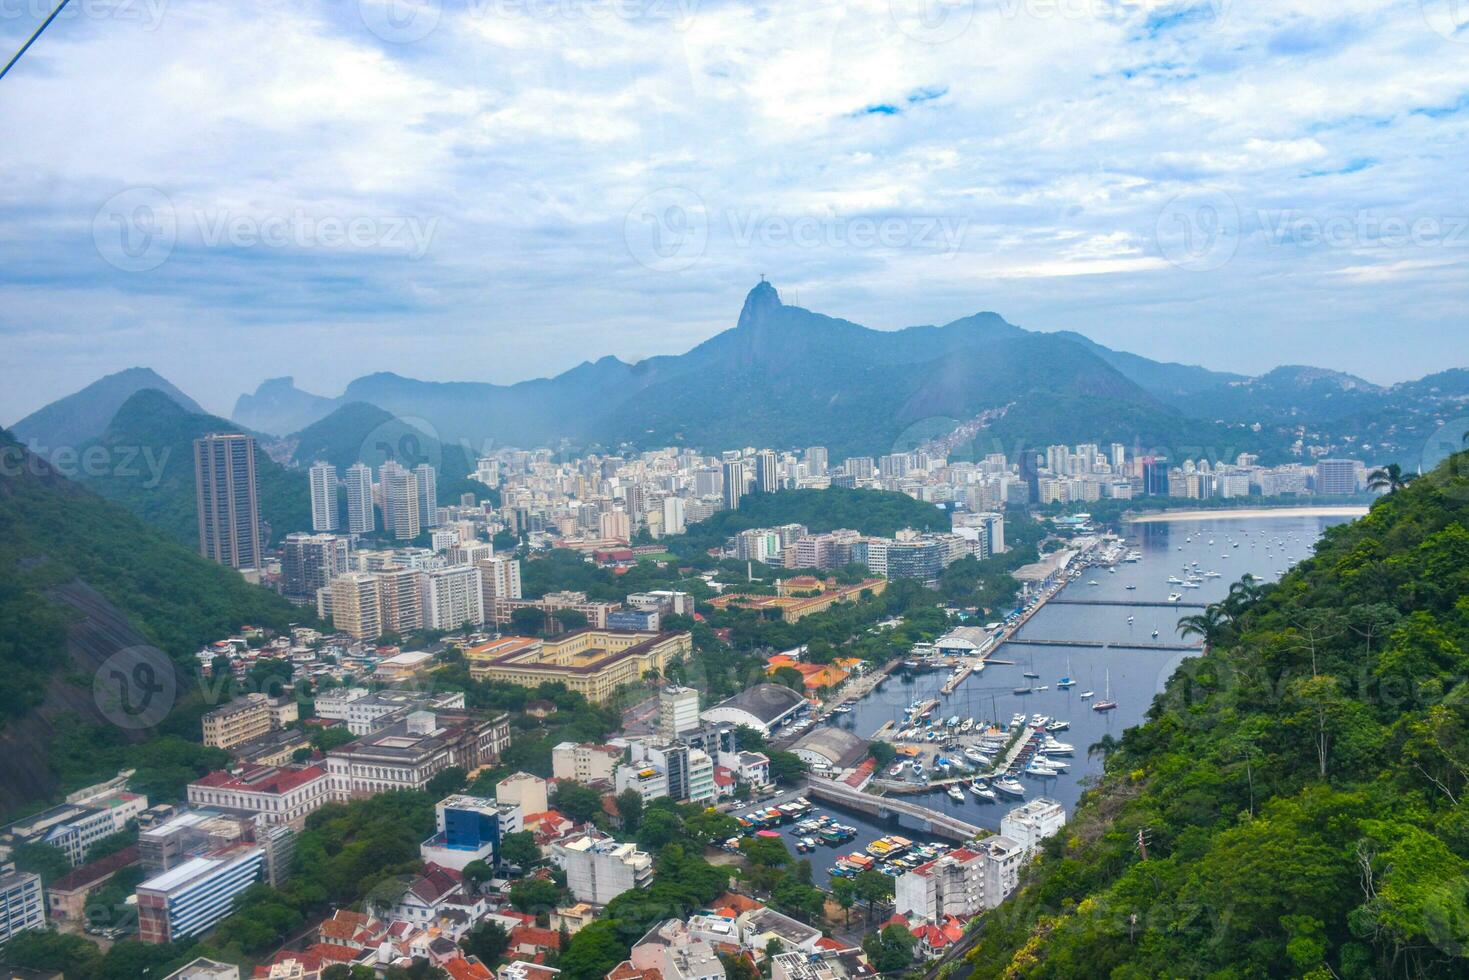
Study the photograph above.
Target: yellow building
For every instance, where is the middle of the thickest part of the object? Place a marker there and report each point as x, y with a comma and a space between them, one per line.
795, 601
591, 661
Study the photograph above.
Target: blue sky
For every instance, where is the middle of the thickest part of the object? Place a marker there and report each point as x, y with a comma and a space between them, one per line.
500, 189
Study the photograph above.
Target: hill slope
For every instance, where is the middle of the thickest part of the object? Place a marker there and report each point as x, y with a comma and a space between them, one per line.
80, 579
150, 448
83, 415
1302, 785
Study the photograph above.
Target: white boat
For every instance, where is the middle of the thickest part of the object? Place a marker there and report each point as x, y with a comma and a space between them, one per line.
1010, 786
1174, 580
966, 725
1034, 769
1087, 695
981, 790
1175, 596
956, 794
1055, 764
1053, 747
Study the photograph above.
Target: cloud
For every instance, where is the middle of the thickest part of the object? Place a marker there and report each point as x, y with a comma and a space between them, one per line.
1049, 137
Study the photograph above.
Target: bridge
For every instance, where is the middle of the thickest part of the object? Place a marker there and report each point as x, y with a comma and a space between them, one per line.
1127, 602
880, 806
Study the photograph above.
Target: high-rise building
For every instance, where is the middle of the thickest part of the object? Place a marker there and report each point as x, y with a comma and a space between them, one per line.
323, 497
191, 898
767, 472
351, 600
734, 483
499, 579
22, 905
309, 562
452, 597
401, 504
428, 495
816, 461
360, 517
400, 594
678, 711
1336, 475
673, 515
227, 499
1155, 475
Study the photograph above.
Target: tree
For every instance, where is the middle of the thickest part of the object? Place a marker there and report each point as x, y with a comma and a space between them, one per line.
570, 619
630, 807
519, 849
527, 621
1209, 625
594, 951
46, 860
786, 767
535, 896
873, 887
446, 782
488, 941
890, 950
791, 678
1389, 478
882, 753
476, 873
845, 894
578, 802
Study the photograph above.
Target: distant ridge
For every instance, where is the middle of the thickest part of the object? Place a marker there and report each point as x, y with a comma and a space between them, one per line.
83, 415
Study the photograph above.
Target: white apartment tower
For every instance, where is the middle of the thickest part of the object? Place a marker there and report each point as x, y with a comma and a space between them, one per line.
323, 497
428, 495
401, 504
360, 517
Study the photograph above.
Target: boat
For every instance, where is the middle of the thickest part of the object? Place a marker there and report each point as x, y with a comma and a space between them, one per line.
1052, 747
1010, 786
1175, 596
982, 791
1058, 726
1106, 704
1023, 690
1087, 695
966, 725
956, 794
1131, 588
1174, 580
1043, 687
1155, 634
1131, 618
1036, 769
1066, 681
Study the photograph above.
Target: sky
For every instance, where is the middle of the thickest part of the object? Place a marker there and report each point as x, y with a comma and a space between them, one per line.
496, 190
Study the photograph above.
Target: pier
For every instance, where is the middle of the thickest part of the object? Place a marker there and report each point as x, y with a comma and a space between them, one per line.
1101, 645
931, 820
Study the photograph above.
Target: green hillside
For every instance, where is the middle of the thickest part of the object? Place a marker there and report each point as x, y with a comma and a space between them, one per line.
149, 469
54, 533
1301, 788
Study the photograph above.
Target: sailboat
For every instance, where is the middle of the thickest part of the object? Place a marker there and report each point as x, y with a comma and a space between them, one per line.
1066, 681
1106, 704
1031, 671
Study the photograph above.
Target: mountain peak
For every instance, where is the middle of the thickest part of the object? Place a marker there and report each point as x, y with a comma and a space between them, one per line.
761, 302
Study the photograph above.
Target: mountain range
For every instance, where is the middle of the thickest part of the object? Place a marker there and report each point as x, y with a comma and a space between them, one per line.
785, 376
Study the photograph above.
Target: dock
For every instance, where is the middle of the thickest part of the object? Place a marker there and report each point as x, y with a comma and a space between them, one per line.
1100, 645
881, 807
1141, 603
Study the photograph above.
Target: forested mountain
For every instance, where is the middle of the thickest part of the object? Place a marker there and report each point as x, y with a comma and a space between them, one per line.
359, 432
69, 422
80, 579
149, 448
1301, 788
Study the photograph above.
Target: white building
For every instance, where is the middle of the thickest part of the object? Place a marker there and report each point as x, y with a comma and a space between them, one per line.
585, 763
401, 515
962, 883
360, 516
334, 703
279, 796
673, 515
323, 478
525, 789
598, 869
1033, 822
22, 905
678, 711
452, 597
649, 781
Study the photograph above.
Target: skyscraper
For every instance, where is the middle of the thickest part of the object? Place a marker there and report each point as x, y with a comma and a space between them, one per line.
816, 461
767, 472
360, 517
734, 483
673, 515
227, 499
1155, 476
309, 562
428, 495
323, 497
401, 502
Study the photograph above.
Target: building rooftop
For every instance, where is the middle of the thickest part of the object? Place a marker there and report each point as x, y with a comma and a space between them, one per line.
261, 779
767, 702
838, 746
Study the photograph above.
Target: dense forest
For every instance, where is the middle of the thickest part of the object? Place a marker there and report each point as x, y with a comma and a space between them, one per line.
54, 533
1295, 804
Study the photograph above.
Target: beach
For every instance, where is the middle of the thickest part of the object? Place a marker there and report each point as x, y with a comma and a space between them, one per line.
1244, 513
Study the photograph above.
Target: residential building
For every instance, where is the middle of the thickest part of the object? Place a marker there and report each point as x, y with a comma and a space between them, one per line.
598, 869
468, 829
428, 495
400, 596
379, 709
674, 515
323, 481
73, 827
593, 662
525, 790
280, 796
22, 905
949, 885
66, 897
670, 949
665, 602
585, 763
499, 579
678, 711
767, 472
309, 562
1031, 823
191, 898
734, 483
1337, 476
647, 780
227, 500
207, 969
1003, 858
401, 503
452, 597
358, 483
334, 703
351, 602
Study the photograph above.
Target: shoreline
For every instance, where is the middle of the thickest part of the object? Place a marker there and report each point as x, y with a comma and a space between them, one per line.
1245, 513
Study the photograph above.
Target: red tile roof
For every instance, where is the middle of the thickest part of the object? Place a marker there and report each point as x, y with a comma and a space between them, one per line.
89, 874
261, 779
461, 969
536, 937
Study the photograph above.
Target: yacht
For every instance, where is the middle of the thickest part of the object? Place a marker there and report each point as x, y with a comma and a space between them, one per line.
1131, 588
1052, 747
1055, 764
1175, 596
1106, 704
1174, 580
956, 794
1087, 695
1010, 786
1036, 769
982, 791
1058, 726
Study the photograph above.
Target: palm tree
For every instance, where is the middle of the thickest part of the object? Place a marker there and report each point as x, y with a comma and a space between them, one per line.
1241, 595
1390, 478
1209, 625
